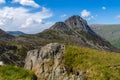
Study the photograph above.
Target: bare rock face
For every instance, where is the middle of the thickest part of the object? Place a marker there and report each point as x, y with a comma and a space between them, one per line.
47, 63
75, 22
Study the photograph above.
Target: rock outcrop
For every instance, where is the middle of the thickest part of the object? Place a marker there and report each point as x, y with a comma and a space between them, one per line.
47, 63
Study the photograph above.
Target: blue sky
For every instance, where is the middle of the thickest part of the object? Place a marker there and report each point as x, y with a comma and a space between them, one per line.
32, 16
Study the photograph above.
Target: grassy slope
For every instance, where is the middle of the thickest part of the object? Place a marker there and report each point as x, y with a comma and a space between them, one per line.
15, 73
109, 32
95, 64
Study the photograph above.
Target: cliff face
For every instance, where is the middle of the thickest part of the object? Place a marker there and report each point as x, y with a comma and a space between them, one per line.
47, 63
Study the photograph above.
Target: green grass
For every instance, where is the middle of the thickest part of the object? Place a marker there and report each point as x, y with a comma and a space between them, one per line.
95, 64
15, 73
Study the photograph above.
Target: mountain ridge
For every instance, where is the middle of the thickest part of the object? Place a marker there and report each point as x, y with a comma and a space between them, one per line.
72, 31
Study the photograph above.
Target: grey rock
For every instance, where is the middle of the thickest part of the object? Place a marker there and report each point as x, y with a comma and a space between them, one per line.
77, 23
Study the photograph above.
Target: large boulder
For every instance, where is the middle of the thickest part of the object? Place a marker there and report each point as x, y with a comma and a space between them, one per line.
47, 63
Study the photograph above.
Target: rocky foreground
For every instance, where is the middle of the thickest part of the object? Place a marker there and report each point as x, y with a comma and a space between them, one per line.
61, 62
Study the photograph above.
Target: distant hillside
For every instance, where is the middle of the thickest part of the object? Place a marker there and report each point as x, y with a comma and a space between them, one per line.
109, 32
15, 33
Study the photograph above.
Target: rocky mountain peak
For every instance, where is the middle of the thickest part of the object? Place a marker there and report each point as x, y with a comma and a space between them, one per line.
74, 31
74, 22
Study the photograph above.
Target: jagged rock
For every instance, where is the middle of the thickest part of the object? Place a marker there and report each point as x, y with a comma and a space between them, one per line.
47, 63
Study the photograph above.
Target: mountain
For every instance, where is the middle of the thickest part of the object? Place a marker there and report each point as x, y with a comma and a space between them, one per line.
5, 36
110, 32
15, 33
73, 31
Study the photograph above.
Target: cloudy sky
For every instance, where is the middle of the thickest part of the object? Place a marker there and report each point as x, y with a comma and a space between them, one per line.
33, 16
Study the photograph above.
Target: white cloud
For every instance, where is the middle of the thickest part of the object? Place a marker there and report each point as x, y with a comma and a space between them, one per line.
118, 16
104, 8
27, 3
85, 13
64, 15
20, 19
2, 1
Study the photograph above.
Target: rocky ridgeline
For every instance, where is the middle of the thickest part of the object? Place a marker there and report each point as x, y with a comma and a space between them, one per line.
47, 63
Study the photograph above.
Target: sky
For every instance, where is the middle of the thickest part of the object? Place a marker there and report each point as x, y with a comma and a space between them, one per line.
33, 16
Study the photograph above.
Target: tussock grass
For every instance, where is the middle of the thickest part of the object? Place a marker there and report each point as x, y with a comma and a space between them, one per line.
94, 64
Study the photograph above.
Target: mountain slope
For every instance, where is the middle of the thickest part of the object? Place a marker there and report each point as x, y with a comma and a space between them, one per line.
5, 36
109, 32
73, 31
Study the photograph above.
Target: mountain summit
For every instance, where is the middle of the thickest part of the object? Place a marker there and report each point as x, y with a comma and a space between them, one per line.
76, 22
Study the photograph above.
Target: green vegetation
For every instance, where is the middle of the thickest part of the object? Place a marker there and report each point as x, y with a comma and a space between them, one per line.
15, 73
94, 64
